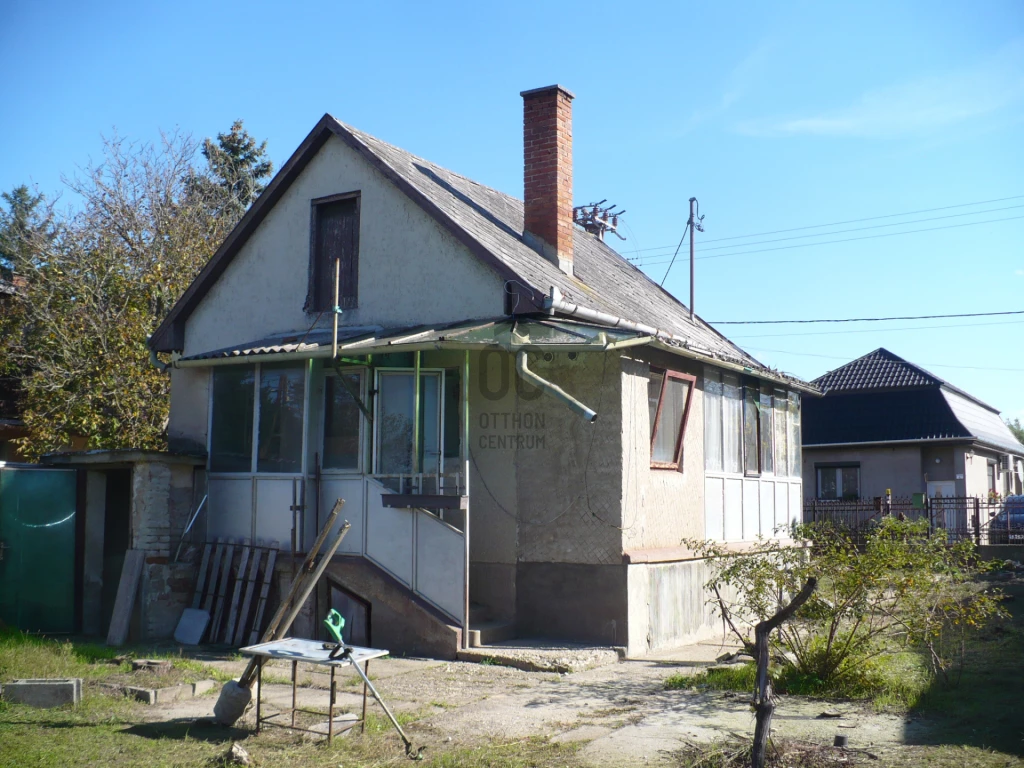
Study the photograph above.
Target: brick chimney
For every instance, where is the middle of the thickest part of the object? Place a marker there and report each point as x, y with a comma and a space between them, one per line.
547, 172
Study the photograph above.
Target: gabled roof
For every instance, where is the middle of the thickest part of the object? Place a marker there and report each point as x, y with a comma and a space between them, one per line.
490, 224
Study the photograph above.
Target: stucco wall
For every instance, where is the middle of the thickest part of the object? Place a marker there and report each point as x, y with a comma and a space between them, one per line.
661, 506
976, 472
189, 419
895, 467
570, 486
410, 270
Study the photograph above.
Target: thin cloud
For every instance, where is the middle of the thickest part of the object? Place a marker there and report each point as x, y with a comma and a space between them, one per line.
736, 85
1019, 273
915, 107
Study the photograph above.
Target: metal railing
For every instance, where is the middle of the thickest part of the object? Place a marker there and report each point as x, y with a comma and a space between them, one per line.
985, 521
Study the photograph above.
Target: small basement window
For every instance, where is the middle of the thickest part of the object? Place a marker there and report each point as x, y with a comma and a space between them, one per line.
334, 249
668, 397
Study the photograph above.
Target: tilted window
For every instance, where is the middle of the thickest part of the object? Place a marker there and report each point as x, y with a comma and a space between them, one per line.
334, 253
668, 399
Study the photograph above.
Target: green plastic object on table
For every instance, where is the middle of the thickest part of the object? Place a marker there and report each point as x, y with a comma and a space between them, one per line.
335, 623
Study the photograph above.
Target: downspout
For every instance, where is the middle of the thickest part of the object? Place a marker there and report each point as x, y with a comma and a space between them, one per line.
154, 361
553, 390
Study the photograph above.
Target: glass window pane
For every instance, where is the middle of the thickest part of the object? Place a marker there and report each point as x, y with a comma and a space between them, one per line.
827, 483
751, 445
394, 429
767, 454
342, 420
654, 384
231, 431
781, 449
851, 483
712, 422
282, 395
430, 425
670, 422
732, 412
794, 434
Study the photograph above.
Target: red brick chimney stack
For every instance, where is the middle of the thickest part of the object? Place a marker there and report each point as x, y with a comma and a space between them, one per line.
547, 172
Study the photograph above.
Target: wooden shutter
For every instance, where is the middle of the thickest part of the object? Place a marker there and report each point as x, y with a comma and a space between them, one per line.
337, 237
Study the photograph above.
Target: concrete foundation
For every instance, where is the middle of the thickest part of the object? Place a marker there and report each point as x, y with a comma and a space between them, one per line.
44, 693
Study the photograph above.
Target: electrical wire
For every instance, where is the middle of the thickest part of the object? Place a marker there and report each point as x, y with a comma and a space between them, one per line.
848, 221
856, 229
866, 319
844, 240
877, 330
676, 253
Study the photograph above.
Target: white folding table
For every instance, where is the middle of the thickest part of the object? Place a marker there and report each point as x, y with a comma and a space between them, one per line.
295, 649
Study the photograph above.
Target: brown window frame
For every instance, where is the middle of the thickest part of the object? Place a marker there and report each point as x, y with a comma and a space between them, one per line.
668, 373
345, 302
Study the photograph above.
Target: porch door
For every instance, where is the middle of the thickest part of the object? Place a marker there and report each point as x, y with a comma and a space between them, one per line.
944, 505
395, 453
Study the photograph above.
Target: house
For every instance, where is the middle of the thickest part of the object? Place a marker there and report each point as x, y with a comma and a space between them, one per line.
887, 425
524, 427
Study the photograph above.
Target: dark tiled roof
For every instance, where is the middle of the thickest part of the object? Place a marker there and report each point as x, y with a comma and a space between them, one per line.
880, 369
868, 417
603, 280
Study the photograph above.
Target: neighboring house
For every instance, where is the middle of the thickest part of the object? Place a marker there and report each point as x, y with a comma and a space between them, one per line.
885, 424
11, 426
499, 373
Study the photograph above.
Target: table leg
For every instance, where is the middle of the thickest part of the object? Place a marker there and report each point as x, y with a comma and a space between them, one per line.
366, 669
259, 692
295, 668
330, 710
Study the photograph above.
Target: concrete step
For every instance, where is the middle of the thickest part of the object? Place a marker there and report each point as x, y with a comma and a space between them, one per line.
490, 632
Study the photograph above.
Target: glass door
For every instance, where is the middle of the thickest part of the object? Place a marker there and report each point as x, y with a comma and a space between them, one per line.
395, 452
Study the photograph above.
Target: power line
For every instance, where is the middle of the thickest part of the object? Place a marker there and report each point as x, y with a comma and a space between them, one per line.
866, 319
929, 365
848, 221
858, 229
844, 240
878, 330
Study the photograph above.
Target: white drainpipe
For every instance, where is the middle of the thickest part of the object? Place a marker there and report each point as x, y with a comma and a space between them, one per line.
553, 390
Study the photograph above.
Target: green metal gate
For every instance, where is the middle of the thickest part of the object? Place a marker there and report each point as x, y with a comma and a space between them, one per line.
37, 549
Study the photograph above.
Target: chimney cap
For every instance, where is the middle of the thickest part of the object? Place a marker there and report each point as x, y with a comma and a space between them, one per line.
546, 88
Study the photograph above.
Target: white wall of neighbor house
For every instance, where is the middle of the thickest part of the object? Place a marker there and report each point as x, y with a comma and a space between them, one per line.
898, 468
411, 271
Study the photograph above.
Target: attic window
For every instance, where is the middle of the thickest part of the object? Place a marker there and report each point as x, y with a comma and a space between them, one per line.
668, 398
334, 249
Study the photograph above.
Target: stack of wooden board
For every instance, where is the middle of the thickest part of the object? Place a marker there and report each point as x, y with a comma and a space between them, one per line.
232, 588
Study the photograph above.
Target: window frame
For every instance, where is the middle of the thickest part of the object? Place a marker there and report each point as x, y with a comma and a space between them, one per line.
345, 302
254, 448
837, 467
363, 372
667, 374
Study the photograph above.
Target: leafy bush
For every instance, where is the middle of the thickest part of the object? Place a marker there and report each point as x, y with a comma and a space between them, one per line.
904, 587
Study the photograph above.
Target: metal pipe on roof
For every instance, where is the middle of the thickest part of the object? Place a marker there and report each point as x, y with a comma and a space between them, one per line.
553, 390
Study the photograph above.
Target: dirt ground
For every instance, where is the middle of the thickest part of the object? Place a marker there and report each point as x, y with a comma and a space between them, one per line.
619, 713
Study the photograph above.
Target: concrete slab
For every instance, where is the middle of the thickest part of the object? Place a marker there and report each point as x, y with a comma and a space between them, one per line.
543, 656
191, 626
44, 693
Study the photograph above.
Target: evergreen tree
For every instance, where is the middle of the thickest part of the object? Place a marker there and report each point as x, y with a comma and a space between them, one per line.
238, 164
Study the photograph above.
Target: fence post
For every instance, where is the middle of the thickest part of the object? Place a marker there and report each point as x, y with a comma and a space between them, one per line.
977, 522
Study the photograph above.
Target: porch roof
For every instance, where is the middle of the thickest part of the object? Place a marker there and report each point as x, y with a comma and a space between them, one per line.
505, 333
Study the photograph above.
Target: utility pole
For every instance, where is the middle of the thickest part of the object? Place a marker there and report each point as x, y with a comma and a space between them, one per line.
695, 224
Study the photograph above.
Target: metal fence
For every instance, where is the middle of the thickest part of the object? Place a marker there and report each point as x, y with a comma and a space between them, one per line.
984, 521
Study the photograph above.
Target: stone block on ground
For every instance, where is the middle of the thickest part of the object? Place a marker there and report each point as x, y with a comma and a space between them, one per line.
44, 693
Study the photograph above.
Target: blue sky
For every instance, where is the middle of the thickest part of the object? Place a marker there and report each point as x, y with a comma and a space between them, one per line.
775, 116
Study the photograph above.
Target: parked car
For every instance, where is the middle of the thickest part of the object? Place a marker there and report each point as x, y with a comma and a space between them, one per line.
1008, 526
